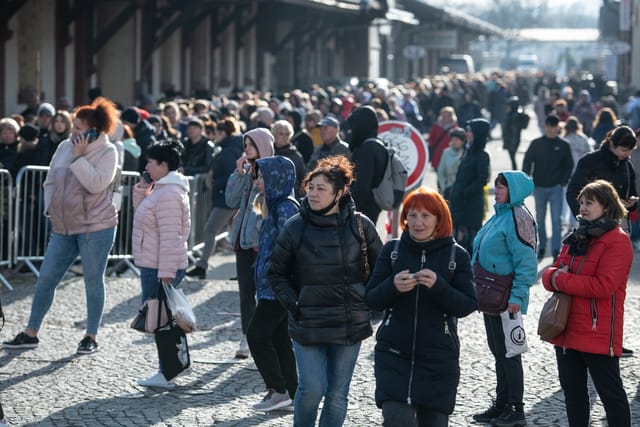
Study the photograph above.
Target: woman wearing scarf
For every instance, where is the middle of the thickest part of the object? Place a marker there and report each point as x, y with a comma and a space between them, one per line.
593, 267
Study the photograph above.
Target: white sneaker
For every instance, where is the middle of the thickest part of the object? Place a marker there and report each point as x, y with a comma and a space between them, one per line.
243, 350
273, 400
156, 380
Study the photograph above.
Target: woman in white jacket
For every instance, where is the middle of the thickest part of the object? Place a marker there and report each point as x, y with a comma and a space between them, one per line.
161, 225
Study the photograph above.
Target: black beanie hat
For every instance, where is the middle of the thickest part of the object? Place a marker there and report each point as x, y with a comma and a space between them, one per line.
130, 115
28, 132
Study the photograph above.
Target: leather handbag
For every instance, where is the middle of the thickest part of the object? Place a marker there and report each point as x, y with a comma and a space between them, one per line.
492, 290
554, 315
151, 316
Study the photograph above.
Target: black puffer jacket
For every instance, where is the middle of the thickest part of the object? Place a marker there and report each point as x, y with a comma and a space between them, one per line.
317, 273
416, 356
602, 164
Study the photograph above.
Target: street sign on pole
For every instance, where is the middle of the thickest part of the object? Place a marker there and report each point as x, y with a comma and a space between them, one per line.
409, 145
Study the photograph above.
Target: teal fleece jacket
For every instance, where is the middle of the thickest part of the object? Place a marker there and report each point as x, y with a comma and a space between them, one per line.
507, 242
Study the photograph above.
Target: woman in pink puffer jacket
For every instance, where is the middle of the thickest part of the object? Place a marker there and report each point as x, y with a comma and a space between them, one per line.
161, 226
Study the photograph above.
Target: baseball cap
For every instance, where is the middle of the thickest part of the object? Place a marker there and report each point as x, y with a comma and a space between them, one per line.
330, 121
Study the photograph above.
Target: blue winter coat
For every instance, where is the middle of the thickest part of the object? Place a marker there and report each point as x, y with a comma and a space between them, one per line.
417, 351
224, 163
507, 242
279, 175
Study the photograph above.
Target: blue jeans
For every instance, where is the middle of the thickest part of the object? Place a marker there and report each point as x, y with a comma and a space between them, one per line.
323, 370
554, 197
61, 252
149, 282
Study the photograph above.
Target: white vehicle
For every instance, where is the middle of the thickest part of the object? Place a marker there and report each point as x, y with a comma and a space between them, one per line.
459, 64
527, 63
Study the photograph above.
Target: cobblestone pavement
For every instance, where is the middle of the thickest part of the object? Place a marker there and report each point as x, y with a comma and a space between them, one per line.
51, 386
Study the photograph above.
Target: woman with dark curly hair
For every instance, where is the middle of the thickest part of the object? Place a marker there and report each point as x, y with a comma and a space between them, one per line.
78, 201
319, 269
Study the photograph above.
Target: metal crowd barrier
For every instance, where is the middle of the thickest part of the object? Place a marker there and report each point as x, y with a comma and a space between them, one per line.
200, 198
6, 220
31, 228
122, 245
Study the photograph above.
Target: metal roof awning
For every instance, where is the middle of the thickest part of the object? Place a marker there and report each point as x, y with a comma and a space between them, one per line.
426, 13
349, 6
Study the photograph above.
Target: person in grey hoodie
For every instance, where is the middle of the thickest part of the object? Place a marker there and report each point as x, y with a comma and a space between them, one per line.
240, 193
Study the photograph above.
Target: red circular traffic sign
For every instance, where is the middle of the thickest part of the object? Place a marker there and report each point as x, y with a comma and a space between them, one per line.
409, 145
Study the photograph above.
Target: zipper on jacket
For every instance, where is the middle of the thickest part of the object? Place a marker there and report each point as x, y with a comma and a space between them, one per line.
64, 191
594, 314
613, 318
386, 322
423, 259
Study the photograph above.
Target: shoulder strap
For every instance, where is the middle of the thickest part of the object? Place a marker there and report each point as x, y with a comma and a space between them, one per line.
363, 246
394, 253
1, 315
452, 259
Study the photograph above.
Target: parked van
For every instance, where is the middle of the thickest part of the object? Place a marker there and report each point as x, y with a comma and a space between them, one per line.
459, 64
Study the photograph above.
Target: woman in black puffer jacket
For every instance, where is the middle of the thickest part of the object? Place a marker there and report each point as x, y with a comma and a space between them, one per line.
318, 273
424, 283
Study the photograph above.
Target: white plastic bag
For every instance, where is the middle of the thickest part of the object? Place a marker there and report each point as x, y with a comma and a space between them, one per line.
181, 309
515, 338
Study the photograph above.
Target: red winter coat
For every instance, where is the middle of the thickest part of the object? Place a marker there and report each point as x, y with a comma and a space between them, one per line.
438, 141
598, 288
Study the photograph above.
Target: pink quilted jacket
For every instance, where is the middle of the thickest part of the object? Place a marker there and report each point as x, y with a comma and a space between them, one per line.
161, 225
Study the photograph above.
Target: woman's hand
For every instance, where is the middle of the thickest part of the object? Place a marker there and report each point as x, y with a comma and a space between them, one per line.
240, 163
404, 281
166, 280
564, 269
513, 308
426, 277
80, 144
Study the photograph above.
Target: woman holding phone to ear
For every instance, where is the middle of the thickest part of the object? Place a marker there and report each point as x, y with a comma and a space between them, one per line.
78, 202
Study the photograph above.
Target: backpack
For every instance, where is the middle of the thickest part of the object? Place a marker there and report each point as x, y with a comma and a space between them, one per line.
389, 193
522, 120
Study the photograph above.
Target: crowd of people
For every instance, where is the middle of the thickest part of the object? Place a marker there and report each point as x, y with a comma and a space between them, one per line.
291, 178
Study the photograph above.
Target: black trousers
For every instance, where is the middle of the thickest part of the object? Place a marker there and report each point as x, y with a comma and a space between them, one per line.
399, 414
509, 374
245, 259
270, 345
605, 373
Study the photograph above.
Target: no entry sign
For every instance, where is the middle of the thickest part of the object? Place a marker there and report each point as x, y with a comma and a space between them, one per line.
409, 145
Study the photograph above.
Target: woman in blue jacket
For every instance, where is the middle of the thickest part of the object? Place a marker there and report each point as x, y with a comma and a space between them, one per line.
424, 282
268, 336
506, 244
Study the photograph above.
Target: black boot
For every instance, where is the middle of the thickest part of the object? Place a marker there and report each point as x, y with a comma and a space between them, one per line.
513, 415
486, 416
197, 271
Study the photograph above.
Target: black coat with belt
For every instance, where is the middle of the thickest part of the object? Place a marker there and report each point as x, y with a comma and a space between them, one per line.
317, 273
417, 350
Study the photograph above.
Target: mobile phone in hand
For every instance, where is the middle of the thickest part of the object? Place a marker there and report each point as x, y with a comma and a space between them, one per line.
91, 135
147, 177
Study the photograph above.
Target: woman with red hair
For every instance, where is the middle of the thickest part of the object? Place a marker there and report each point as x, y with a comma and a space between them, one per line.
424, 283
78, 201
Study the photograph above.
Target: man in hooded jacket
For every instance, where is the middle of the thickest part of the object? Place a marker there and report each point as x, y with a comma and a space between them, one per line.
370, 158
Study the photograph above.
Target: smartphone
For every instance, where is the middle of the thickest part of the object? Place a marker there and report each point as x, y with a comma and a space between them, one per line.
91, 134
147, 177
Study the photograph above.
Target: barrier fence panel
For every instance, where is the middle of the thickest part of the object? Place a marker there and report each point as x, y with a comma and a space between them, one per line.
6, 220
200, 198
122, 246
31, 227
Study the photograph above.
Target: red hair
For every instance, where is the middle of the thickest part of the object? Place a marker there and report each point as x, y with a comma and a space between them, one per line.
101, 115
423, 198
